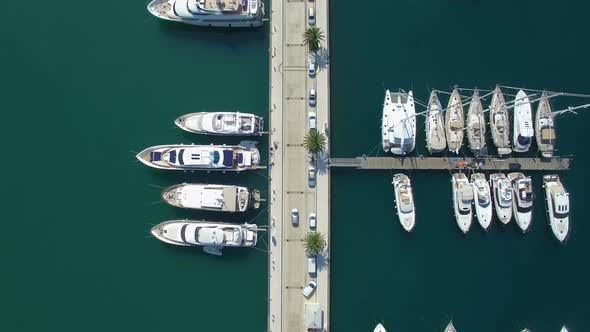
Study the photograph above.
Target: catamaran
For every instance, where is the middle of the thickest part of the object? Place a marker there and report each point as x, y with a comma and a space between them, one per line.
435, 125
212, 236
455, 122
210, 13
398, 125
502, 190
558, 206
523, 123
450, 327
545, 128
476, 126
462, 200
482, 199
404, 201
522, 202
212, 197
222, 123
202, 157
500, 122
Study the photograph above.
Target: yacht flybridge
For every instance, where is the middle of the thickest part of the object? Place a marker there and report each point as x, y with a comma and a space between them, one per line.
558, 206
462, 200
222, 123
500, 122
545, 128
455, 122
476, 126
502, 197
211, 13
522, 202
202, 157
212, 236
404, 201
482, 199
523, 123
435, 125
398, 124
212, 197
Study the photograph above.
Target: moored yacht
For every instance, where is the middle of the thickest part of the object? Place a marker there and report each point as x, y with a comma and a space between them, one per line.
210, 13
564, 329
435, 125
545, 128
476, 126
502, 197
212, 236
558, 206
523, 123
201, 157
222, 123
450, 327
455, 122
500, 122
522, 201
212, 197
404, 201
379, 328
398, 124
482, 199
462, 200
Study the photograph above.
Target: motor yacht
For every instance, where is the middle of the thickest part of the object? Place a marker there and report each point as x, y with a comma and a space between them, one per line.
500, 122
222, 123
545, 128
523, 123
404, 201
212, 197
522, 202
379, 328
202, 157
212, 236
476, 126
210, 13
435, 125
462, 200
502, 190
450, 327
398, 125
564, 329
558, 206
455, 122
482, 199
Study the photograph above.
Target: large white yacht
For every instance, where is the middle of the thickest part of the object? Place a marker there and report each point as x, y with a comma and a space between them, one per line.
210, 13
558, 206
436, 140
450, 327
502, 197
201, 157
522, 202
482, 199
476, 126
404, 201
398, 124
545, 128
462, 200
211, 197
379, 328
455, 122
212, 236
500, 122
523, 123
222, 123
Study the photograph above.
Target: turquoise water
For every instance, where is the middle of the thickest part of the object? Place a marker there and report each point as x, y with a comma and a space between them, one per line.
495, 281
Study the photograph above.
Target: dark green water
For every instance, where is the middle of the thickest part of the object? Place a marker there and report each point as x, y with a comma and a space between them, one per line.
494, 281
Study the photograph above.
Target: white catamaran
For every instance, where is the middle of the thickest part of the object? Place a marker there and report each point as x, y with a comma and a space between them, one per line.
522, 202
523, 123
404, 201
462, 200
500, 122
558, 206
398, 124
545, 128
482, 199
476, 126
502, 197
455, 122
435, 125
212, 197
222, 123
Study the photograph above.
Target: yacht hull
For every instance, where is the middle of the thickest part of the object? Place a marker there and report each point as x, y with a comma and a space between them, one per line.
500, 123
476, 126
404, 201
482, 200
462, 201
435, 125
523, 123
522, 206
225, 198
245, 124
455, 122
545, 128
398, 123
558, 218
502, 195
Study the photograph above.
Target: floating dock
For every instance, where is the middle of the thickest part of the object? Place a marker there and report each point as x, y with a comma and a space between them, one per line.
455, 163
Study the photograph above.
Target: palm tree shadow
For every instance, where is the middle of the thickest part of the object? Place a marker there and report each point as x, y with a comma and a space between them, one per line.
322, 58
322, 260
322, 160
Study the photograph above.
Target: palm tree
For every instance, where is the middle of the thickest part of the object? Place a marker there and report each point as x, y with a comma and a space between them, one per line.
313, 38
314, 243
314, 142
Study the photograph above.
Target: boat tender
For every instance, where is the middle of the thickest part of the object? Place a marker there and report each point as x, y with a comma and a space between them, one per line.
523, 123
222, 123
545, 128
398, 123
436, 140
455, 122
482, 199
404, 201
212, 197
500, 122
502, 197
558, 206
462, 200
522, 202
476, 126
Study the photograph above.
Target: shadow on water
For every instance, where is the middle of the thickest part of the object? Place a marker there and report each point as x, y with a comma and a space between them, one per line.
233, 38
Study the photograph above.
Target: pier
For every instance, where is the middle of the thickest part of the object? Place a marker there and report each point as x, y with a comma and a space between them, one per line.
455, 163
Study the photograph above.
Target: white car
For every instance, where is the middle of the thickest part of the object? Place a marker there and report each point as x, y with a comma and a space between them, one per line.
311, 179
311, 16
295, 217
311, 266
310, 288
312, 97
312, 120
311, 67
313, 221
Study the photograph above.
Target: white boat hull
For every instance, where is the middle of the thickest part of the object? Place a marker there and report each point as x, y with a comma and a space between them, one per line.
523, 123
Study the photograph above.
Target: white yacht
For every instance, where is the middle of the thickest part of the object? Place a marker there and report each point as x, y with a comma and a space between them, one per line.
450, 327
522, 202
558, 206
462, 200
435, 125
222, 123
545, 128
525, 330
212, 197
398, 125
564, 329
482, 199
523, 123
201, 157
212, 236
476, 126
379, 328
210, 13
404, 201
500, 122
455, 122
502, 197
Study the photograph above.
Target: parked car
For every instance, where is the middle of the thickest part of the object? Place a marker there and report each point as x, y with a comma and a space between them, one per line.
312, 120
311, 67
312, 220
311, 178
312, 97
295, 217
311, 266
311, 16
310, 288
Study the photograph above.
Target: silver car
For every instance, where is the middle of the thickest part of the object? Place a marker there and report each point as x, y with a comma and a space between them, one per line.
312, 97
295, 217
311, 177
310, 288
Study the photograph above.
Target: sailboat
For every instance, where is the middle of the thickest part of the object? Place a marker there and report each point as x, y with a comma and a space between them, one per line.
476, 126
523, 123
545, 128
435, 125
500, 122
379, 328
398, 127
454, 121
450, 327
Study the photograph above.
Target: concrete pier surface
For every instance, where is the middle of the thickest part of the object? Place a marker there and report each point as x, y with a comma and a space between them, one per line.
289, 163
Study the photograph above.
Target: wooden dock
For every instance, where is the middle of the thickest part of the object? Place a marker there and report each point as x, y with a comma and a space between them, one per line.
455, 163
